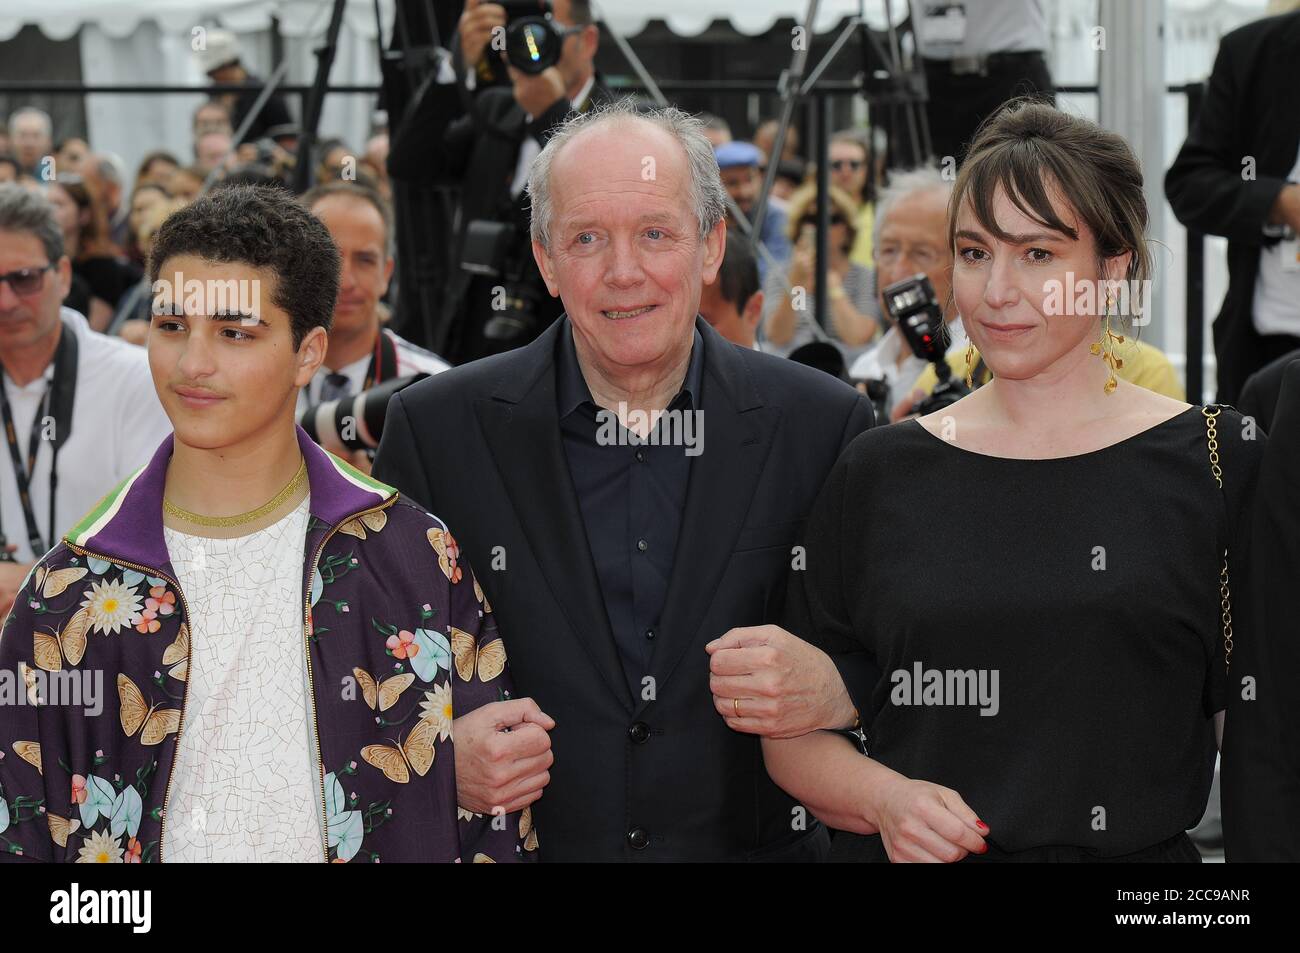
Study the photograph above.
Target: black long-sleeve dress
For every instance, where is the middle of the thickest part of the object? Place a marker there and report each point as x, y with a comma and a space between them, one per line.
1046, 633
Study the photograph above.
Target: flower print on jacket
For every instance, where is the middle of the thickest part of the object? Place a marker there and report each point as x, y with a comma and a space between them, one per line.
112, 606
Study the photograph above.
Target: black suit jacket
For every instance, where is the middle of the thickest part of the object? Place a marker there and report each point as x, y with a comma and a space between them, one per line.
480, 445
1261, 745
1263, 390
1249, 111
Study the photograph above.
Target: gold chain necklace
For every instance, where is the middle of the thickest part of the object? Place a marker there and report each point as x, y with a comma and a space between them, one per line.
199, 519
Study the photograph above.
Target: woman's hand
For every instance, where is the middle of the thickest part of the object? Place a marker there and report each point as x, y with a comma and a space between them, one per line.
921, 822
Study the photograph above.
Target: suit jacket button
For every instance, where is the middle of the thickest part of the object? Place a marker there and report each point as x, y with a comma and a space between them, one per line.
639, 733
638, 839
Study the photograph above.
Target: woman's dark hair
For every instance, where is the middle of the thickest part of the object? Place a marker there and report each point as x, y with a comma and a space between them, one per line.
1028, 149
150, 187
263, 228
157, 155
93, 239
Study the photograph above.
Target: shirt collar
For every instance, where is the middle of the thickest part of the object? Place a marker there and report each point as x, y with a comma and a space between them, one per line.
354, 372
73, 323
580, 100
572, 389
126, 525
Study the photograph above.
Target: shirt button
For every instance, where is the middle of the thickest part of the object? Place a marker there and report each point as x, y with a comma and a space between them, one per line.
642, 545
649, 633
638, 839
640, 456
639, 733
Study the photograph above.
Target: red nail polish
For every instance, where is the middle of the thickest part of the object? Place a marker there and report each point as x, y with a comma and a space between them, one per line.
984, 848
981, 825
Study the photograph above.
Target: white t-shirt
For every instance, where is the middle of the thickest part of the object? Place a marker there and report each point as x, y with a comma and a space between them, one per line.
1277, 286
245, 786
117, 424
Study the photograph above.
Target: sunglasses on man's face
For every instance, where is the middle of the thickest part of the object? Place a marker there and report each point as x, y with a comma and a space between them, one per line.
853, 165
26, 281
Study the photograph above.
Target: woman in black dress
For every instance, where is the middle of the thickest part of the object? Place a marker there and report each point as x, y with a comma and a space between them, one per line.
1034, 571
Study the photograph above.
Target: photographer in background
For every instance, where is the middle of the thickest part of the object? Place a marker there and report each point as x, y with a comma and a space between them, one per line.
220, 60
361, 352
911, 238
853, 316
484, 147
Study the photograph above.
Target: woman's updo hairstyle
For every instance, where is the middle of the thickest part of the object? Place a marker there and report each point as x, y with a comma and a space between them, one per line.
1029, 147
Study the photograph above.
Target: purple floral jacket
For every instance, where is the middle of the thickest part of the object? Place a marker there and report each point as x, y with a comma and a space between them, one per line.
395, 629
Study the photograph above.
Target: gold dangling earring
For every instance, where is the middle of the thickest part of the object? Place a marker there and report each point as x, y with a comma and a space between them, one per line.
970, 356
1106, 347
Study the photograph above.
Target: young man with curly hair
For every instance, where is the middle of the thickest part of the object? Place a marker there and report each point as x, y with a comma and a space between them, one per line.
283, 638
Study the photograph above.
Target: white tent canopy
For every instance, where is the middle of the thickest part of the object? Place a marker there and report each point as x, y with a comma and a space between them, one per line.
60, 19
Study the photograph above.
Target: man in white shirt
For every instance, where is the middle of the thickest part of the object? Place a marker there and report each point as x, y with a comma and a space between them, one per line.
79, 405
911, 236
977, 54
1277, 286
1238, 175
362, 353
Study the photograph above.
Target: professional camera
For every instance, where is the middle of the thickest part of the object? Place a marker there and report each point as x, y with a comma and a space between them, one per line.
533, 40
354, 422
912, 305
502, 251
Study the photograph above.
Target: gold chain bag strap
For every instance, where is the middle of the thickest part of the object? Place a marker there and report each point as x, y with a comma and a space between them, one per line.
1225, 597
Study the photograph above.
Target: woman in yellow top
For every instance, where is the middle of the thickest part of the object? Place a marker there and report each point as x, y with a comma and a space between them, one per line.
850, 160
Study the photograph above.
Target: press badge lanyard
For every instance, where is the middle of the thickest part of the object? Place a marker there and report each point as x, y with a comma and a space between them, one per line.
57, 402
383, 363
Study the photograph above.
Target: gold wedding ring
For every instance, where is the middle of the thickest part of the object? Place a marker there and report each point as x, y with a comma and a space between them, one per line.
735, 703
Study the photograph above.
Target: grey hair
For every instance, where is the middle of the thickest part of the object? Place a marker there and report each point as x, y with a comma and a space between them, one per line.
111, 168
708, 197
925, 178
26, 212
40, 114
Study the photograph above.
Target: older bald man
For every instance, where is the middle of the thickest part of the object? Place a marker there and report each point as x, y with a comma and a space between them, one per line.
630, 488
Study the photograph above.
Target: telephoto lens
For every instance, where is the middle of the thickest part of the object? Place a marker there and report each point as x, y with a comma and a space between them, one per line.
355, 422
